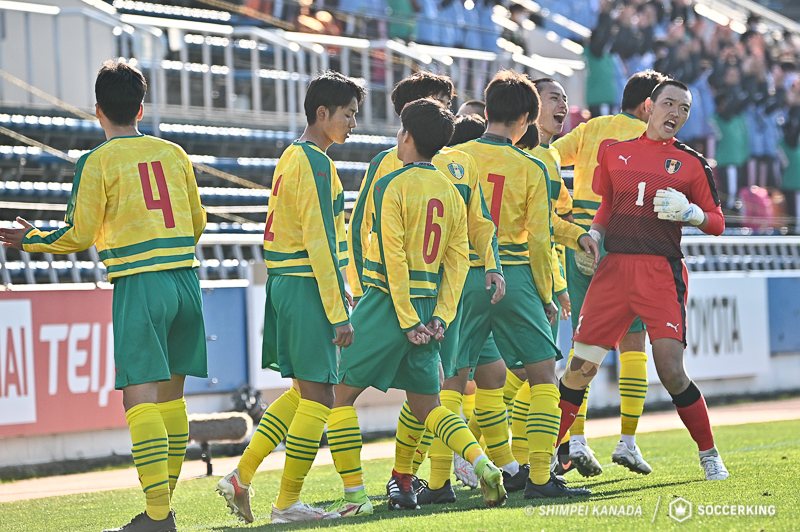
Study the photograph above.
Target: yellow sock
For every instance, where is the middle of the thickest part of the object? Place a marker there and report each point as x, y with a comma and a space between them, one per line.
302, 444
422, 451
150, 449
473, 425
512, 386
440, 454
452, 430
269, 433
344, 438
409, 435
544, 418
173, 414
519, 424
632, 389
468, 406
491, 415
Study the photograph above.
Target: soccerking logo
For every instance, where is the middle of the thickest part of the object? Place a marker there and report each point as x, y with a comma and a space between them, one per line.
456, 169
680, 509
672, 166
17, 388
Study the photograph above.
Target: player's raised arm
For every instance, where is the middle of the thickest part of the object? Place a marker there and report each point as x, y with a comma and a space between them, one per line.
391, 239
319, 239
569, 146
85, 210
456, 266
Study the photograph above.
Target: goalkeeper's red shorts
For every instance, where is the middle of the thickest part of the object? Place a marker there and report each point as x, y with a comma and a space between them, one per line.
625, 286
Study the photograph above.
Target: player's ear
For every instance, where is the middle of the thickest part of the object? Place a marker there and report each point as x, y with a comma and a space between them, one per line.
648, 105
322, 113
140, 114
97, 111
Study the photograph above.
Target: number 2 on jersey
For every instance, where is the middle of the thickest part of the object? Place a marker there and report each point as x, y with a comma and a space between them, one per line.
640, 198
499, 182
162, 203
432, 228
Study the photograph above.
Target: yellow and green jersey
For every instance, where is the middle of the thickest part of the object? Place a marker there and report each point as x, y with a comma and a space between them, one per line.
305, 233
420, 246
136, 198
580, 147
461, 170
561, 202
517, 189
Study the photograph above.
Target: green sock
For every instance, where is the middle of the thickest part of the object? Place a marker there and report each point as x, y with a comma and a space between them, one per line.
356, 496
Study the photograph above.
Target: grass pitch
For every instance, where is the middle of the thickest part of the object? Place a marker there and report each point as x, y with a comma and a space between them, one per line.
763, 459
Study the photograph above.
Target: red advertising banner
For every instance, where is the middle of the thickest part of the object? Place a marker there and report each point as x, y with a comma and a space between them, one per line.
57, 362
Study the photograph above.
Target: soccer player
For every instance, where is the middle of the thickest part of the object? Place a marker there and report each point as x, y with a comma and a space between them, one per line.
517, 188
536, 141
581, 147
472, 107
650, 186
147, 246
306, 314
414, 273
461, 170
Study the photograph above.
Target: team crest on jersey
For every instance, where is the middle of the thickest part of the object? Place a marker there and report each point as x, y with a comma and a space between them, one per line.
456, 169
672, 166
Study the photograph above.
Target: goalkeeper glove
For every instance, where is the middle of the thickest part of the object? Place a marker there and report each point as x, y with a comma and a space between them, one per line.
673, 205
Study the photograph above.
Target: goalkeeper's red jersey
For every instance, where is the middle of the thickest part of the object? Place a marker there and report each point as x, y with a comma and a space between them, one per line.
628, 177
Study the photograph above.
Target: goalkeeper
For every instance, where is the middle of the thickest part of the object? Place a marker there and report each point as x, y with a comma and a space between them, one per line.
650, 186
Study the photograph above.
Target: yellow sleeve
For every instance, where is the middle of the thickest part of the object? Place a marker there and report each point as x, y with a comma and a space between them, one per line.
456, 267
566, 233
481, 229
559, 281
393, 256
319, 239
85, 212
569, 145
537, 223
564, 201
198, 212
359, 230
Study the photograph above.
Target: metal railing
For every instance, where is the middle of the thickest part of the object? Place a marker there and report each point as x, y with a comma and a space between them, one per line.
229, 255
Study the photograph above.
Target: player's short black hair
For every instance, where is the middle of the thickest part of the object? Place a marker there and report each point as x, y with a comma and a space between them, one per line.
530, 139
330, 90
509, 96
639, 87
480, 104
429, 124
119, 91
667, 83
541, 81
421, 84
467, 127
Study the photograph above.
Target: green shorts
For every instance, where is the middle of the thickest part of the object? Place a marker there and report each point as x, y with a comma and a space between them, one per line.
381, 355
517, 322
578, 284
298, 338
448, 349
158, 327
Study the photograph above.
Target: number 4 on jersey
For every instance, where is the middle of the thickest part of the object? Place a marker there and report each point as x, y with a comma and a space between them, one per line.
162, 203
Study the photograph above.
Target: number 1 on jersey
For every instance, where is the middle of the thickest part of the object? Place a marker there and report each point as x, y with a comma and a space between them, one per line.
162, 203
499, 182
640, 198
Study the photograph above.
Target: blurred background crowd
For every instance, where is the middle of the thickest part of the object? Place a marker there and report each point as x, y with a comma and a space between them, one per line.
745, 81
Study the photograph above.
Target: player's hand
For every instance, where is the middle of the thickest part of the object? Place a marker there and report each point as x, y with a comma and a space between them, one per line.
349, 299
12, 238
419, 335
566, 305
591, 247
437, 329
551, 311
344, 335
499, 283
671, 204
